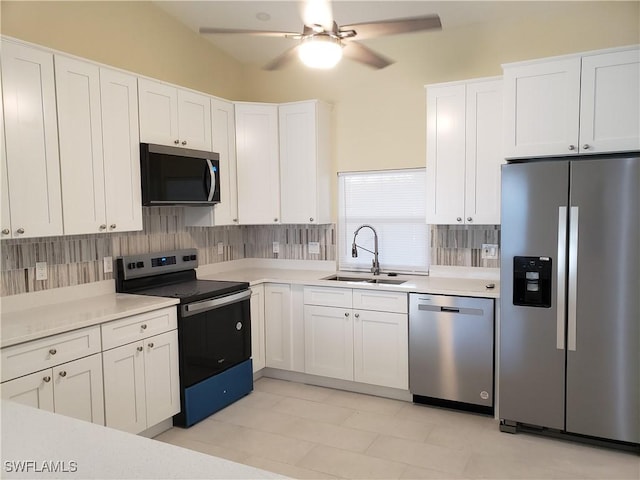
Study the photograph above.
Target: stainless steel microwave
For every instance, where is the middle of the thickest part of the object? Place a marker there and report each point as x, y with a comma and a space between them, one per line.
179, 176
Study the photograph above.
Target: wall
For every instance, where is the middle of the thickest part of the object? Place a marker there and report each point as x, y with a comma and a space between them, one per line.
134, 36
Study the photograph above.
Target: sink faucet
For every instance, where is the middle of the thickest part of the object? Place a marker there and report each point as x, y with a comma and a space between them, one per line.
375, 267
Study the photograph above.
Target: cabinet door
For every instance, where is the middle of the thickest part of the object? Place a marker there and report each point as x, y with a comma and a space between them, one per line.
78, 389
162, 384
258, 164
610, 102
445, 154
328, 342
542, 102
31, 132
224, 142
80, 130
483, 153
5, 212
158, 113
121, 149
381, 348
298, 159
124, 388
278, 326
257, 328
194, 120
35, 390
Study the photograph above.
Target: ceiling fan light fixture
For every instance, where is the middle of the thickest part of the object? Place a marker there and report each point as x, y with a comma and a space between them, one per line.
320, 51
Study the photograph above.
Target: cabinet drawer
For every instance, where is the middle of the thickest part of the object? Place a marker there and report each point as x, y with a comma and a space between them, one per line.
137, 327
380, 301
47, 352
328, 296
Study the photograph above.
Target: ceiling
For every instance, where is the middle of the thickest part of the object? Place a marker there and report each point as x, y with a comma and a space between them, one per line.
287, 16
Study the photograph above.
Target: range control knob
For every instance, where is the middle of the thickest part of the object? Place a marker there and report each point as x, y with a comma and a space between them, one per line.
185, 258
140, 265
193, 257
131, 265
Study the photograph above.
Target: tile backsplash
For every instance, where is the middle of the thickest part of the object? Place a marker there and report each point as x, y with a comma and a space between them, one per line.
78, 259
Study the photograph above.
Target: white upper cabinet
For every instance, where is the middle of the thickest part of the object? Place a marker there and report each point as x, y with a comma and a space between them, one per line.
121, 150
31, 136
80, 130
464, 154
174, 117
224, 143
99, 148
573, 105
5, 212
258, 163
305, 162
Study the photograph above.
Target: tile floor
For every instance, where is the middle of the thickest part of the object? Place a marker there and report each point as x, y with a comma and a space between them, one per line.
303, 431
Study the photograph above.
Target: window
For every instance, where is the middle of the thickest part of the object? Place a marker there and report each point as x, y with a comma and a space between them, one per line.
392, 202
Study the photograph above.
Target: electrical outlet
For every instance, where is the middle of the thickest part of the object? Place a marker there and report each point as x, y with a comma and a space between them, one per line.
107, 263
220, 248
314, 248
41, 270
489, 251
276, 247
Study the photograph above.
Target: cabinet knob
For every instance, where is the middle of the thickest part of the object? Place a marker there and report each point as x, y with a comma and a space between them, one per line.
469, 219
139, 349
53, 351
143, 326
357, 315
6, 231
102, 227
572, 147
176, 142
150, 344
20, 231
459, 219
184, 142
586, 146
112, 226
346, 314
311, 219
63, 373
46, 379
275, 219
235, 220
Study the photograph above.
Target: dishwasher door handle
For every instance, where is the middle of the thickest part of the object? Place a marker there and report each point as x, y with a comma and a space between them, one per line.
444, 309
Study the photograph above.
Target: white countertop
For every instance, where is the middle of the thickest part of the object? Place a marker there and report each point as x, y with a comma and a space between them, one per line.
436, 284
33, 316
35, 435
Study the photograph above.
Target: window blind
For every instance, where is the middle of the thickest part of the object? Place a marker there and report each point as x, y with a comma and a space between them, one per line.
392, 202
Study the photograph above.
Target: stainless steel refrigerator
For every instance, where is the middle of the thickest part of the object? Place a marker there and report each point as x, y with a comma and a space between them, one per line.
570, 296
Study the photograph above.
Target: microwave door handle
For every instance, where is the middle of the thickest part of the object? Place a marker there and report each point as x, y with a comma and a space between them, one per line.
212, 185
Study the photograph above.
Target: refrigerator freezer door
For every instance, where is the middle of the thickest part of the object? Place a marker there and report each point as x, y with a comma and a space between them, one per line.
532, 357
603, 373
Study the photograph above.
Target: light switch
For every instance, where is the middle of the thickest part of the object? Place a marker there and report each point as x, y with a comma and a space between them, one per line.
41, 270
314, 248
107, 263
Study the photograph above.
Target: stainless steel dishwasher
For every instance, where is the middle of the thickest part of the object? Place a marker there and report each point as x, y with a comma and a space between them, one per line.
451, 351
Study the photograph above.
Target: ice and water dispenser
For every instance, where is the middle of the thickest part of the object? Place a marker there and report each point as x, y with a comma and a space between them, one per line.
532, 281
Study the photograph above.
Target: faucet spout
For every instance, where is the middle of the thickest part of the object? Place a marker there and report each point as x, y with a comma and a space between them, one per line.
375, 267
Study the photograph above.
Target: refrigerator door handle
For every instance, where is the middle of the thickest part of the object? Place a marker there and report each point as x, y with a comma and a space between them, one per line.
573, 279
562, 276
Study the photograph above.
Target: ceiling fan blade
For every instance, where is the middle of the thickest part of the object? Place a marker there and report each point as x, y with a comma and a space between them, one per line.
259, 33
358, 52
281, 60
390, 27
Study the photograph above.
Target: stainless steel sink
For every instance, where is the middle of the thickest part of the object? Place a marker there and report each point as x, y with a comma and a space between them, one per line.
385, 281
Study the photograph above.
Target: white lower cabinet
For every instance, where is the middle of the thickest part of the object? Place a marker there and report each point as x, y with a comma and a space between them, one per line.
367, 344
278, 326
257, 328
73, 389
141, 384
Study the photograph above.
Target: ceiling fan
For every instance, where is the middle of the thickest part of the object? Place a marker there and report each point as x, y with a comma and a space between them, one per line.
322, 42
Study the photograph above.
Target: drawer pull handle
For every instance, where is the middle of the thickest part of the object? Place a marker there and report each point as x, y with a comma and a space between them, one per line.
139, 349
357, 315
143, 326
63, 373
151, 345
346, 314
47, 379
53, 351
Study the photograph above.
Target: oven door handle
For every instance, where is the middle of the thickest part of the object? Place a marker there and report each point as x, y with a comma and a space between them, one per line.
198, 307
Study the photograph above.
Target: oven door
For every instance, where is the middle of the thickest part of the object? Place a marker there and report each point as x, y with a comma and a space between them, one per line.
214, 335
